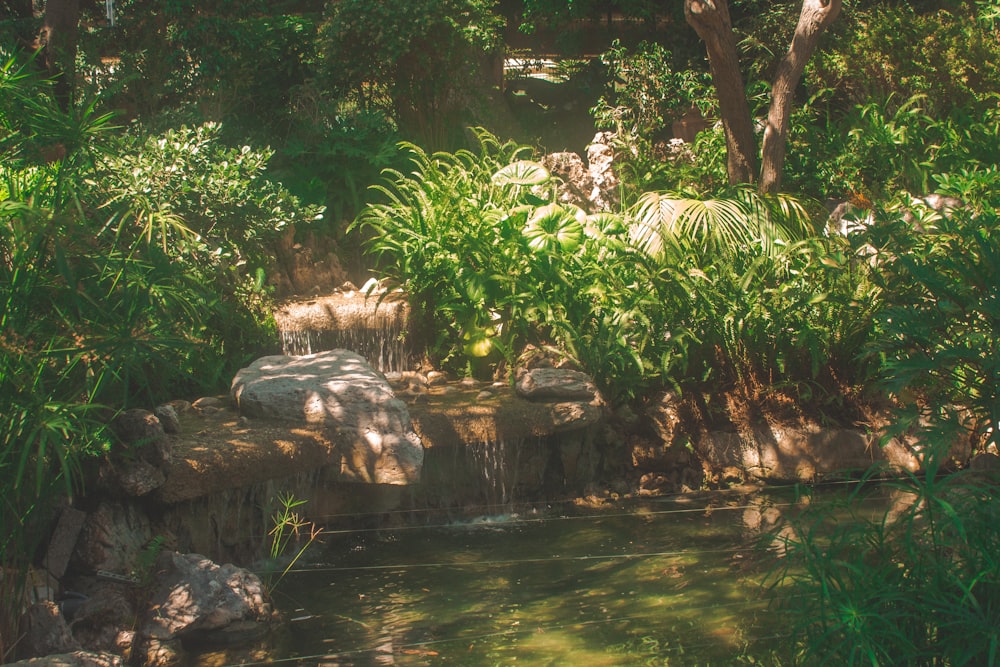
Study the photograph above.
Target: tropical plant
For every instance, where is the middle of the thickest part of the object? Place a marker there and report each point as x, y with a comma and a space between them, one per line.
676, 290
125, 271
733, 221
939, 329
484, 251
917, 583
56, 288
443, 231
914, 583
771, 308
880, 148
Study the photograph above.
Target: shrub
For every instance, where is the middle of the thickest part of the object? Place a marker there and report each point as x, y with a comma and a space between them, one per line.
917, 583
939, 330
944, 55
735, 291
127, 269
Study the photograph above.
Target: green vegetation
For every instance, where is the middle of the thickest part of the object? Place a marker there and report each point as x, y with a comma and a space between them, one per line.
147, 185
131, 271
916, 585
288, 530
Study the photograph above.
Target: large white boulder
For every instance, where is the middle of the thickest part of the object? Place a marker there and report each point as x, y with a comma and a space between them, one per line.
338, 390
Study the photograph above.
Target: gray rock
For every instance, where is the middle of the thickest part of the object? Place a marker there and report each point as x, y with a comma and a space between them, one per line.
341, 391
113, 537
569, 416
103, 621
787, 454
45, 631
137, 465
196, 597
138, 478
143, 435
547, 384
63, 540
600, 164
985, 462
208, 402
73, 659
167, 414
576, 183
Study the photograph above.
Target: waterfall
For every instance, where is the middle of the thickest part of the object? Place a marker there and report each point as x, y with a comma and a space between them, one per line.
374, 327
495, 461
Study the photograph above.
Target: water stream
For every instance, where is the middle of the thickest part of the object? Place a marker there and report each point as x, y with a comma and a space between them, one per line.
670, 581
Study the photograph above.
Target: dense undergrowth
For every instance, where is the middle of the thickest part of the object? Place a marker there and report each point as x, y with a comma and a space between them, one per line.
136, 246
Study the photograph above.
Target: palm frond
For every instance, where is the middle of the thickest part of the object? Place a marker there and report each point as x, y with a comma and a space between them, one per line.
729, 223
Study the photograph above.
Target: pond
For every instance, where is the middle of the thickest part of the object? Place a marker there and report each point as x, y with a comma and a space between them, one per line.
655, 581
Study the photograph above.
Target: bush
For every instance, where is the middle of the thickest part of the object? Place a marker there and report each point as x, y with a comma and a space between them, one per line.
943, 55
646, 94
918, 583
130, 272
939, 330
724, 293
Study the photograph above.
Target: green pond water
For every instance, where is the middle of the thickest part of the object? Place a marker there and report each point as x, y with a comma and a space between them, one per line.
670, 581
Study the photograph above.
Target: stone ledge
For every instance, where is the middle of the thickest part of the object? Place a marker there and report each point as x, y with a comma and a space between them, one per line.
218, 449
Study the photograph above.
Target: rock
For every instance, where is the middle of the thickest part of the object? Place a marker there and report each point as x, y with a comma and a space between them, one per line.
546, 384
658, 483
63, 540
780, 453
568, 416
103, 621
436, 378
196, 597
210, 402
653, 454
45, 631
137, 466
139, 478
577, 185
74, 659
600, 163
337, 390
663, 413
112, 538
144, 436
169, 419
162, 653
985, 462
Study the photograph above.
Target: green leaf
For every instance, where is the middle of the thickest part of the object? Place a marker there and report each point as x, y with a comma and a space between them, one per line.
522, 172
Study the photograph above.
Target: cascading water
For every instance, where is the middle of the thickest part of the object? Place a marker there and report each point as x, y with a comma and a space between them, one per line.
496, 461
374, 326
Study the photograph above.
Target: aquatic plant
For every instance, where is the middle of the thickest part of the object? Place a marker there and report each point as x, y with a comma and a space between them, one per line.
289, 527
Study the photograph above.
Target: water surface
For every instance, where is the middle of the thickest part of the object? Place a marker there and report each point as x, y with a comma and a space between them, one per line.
673, 581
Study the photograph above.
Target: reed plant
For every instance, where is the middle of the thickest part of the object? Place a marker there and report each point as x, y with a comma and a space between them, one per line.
288, 530
917, 583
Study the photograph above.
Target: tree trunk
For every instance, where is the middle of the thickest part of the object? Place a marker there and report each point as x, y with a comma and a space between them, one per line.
710, 19
58, 38
815, 17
